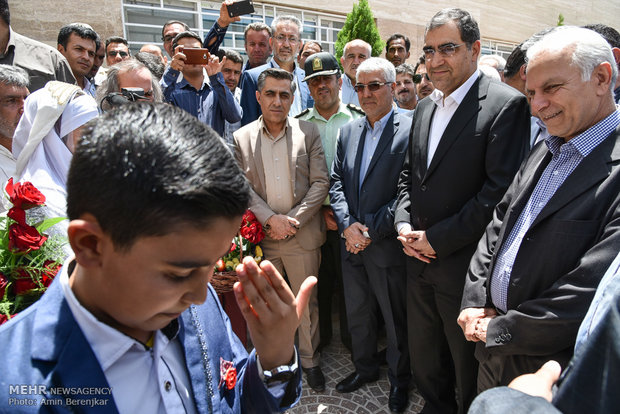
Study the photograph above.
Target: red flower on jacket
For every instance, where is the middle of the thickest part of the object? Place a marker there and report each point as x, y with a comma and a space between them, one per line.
24, 195
24, 238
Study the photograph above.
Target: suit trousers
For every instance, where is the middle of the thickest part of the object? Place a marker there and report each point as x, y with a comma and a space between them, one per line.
371, 291
290, 258
440, 356
330, 284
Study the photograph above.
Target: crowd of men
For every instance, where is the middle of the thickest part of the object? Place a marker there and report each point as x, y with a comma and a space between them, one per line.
465, 206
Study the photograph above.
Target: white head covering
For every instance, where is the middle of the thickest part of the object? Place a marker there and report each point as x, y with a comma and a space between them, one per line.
42, 156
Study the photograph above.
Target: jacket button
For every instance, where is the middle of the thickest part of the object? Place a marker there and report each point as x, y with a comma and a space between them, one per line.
508, 337
497, 340
423, 188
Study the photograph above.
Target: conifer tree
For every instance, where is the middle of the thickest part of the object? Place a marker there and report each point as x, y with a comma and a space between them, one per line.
360, 24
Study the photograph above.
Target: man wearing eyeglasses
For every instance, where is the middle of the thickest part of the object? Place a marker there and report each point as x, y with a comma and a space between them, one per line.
369, 154
468, 141
169, 31
424, 85
285, 42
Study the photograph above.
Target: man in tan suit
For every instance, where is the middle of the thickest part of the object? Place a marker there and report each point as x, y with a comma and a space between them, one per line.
284, 162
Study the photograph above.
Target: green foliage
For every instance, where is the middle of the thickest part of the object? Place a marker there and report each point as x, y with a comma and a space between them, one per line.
360, 24
561, 20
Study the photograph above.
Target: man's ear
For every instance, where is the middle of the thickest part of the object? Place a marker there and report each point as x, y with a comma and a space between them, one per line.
258, 97
522, 71
60, 48
602, 75
86, 238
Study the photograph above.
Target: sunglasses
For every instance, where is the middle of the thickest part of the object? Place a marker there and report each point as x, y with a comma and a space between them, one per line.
372, 87
417, 78
113, 53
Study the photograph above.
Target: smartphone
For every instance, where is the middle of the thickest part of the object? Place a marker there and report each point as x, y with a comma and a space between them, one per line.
240, 7
196, 56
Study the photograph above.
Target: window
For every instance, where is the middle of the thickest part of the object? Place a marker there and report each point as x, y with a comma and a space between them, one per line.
143, 20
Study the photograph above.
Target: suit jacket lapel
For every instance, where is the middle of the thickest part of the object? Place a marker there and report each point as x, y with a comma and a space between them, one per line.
292, 157
468, 108
357, 147
67, 354
391, 127
255, 149
591, 170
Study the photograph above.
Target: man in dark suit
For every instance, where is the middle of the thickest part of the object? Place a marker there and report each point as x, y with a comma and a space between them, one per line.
558, 227
467, 142
285, 42
370, 152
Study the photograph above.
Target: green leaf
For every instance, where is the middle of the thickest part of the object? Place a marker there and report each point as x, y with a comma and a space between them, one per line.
47, 223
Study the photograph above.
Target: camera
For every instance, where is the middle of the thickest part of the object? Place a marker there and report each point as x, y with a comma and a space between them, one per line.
126, 95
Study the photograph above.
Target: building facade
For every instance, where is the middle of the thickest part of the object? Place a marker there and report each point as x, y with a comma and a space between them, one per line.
503, 24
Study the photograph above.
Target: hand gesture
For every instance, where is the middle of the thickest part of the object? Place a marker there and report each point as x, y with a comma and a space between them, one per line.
271, 310
415, 244
355, 239
224, 20
178, 60
281, 227
214, 66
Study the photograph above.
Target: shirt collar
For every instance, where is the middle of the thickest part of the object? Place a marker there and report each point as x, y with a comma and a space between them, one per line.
313, 113
11, 41
108, 344
458, 95
263, 128
585, 142
380, 123
184, 83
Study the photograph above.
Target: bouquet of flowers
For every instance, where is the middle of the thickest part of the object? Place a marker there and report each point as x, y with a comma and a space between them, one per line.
251, 233
29, 260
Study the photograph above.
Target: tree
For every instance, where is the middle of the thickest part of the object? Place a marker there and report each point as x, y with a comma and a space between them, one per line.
360, 24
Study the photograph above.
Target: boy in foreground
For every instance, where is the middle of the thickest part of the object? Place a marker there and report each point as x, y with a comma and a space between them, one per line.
130, 324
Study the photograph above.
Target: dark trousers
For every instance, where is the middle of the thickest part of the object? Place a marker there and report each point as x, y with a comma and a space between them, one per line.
440, 356
330, 284
371, 291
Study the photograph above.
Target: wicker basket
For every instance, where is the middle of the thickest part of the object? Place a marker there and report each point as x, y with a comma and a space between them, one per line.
223, 282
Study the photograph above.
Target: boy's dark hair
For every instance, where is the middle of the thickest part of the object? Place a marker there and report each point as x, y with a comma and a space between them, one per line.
145, 168
80, 29
468, 27
5, 14
405, 68
115, 39
182, 35
514, 62
398, 36
276, 74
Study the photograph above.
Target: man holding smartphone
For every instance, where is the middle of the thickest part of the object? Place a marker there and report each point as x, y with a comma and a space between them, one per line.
188, 85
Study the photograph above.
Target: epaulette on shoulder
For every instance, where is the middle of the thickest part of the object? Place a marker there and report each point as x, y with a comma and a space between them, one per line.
302, 113
356, 108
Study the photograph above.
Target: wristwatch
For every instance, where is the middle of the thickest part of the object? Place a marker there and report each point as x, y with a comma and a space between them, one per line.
283, 373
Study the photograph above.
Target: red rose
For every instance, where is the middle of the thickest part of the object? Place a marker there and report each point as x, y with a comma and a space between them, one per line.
3, 318
23, 238
23, 282
3, 283
24, 195
17, 214
231, 378
233, 247
50, 269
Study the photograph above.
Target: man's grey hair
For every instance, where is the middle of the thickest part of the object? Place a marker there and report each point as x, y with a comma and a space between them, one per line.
377, 64
355, 42
467, 25
501, 62
111, 83
275, 73
257, 27
13, 76
285, 19
589, 49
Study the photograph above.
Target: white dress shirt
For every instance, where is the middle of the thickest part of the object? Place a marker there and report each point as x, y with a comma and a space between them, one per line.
446, 107
143, 380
